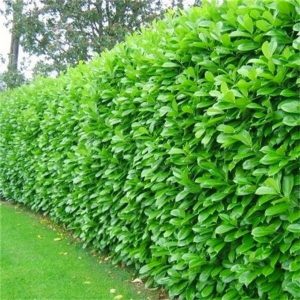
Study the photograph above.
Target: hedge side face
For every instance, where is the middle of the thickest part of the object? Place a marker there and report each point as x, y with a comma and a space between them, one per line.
177, 151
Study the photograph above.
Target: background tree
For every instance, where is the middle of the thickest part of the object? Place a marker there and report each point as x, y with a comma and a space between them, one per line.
62, 32
13, 77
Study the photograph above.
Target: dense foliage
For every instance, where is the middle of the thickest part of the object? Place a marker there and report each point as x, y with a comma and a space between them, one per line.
177, 151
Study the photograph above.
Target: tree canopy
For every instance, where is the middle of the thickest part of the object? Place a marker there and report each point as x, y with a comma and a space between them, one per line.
60, 33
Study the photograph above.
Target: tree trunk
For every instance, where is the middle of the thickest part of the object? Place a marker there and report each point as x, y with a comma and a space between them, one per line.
15, 38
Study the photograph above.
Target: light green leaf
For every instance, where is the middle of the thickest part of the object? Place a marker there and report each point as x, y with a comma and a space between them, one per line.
290, 106
296, 27
224, 228
263, 231
226, 128
294, 228
248, 23
263, 25
174, 151
170, 64
269, 48
247, 277
145, 269
291, 120
265, 190
247, 45
277, 209
287, 185
209, 76
230, 295
207, 291
285, 7
244, 137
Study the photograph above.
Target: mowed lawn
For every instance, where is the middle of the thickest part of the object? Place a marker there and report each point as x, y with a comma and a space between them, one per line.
38, 262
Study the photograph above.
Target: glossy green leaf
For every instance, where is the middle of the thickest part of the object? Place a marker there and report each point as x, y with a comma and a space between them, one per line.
287, 185
268, 48
290, 106
263, 25
224, 228
277, 209
294, 228
169, 64
263, 231
247, 46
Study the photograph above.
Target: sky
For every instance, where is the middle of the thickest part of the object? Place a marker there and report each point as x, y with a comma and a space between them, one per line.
4, 39
30, 60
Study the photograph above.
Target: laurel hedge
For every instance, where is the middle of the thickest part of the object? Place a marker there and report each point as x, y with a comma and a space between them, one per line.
176, 152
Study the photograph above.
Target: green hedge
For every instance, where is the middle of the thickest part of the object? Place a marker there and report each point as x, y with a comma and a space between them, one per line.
177, 151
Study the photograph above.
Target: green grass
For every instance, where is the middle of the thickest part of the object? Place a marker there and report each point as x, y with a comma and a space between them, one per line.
38, 262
